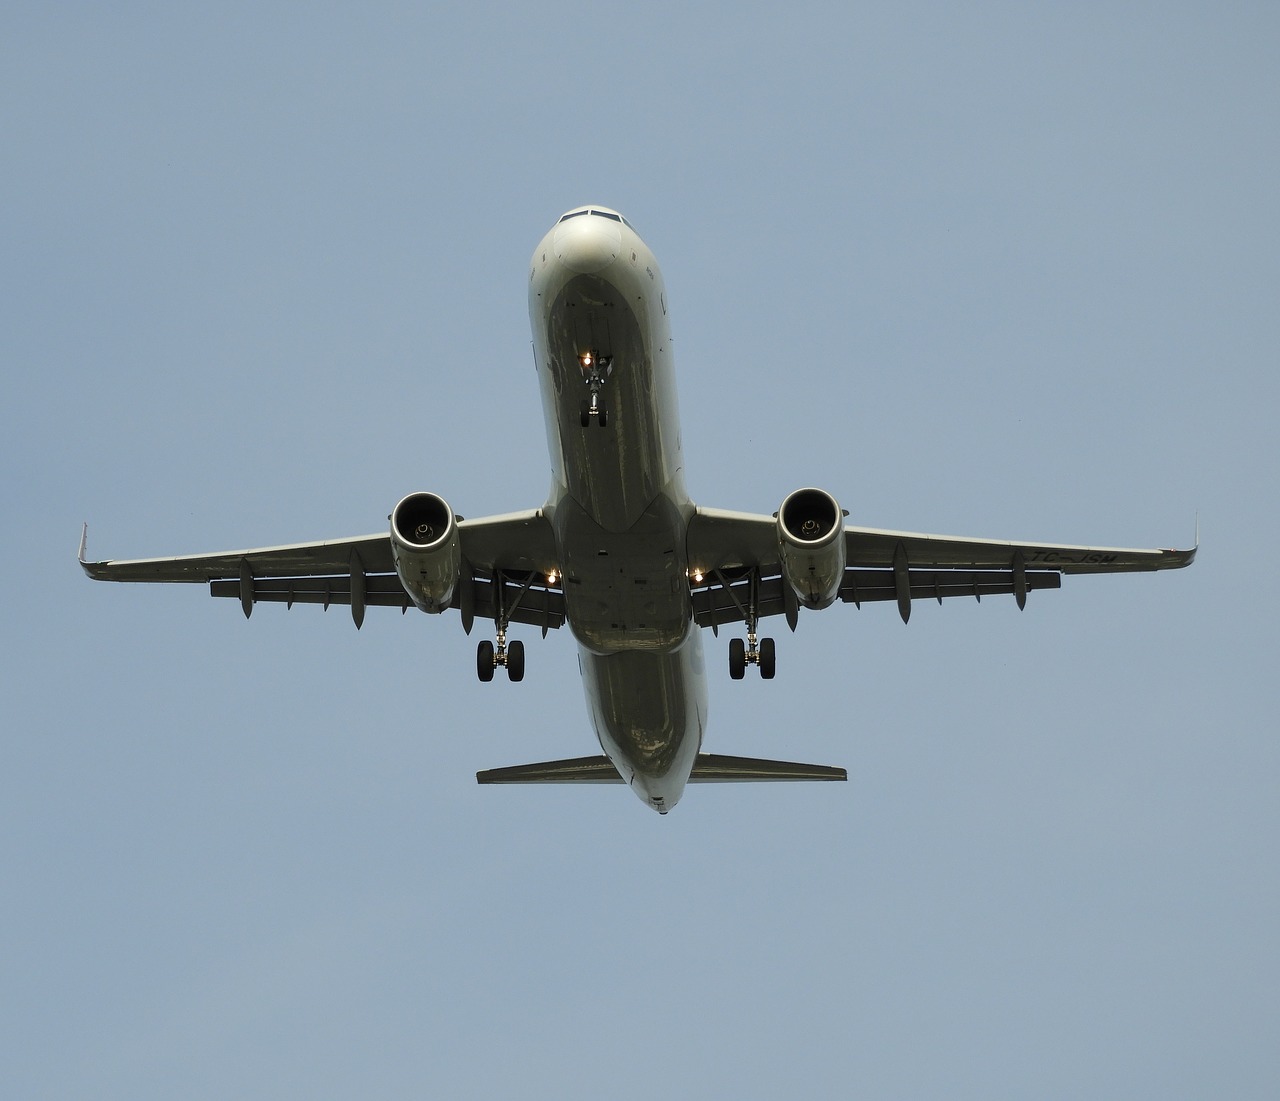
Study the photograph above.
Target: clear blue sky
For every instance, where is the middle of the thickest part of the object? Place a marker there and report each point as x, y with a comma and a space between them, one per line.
1009, 271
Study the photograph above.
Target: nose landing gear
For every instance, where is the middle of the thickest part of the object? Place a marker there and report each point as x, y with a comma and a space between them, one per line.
595, 371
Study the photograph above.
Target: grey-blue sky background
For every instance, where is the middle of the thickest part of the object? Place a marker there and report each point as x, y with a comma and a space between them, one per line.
1007, 271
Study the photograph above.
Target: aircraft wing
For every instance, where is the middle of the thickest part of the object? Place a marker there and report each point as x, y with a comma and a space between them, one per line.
734, 550
515, 550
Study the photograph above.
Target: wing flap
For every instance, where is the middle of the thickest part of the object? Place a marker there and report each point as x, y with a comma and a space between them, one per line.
870, 585
381, 590
536, 603
715, 604
540, 606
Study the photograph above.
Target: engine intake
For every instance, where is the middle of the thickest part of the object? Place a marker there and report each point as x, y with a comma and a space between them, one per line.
426, 549
811, 546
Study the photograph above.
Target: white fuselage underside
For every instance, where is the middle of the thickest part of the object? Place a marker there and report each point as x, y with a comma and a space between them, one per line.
618, 503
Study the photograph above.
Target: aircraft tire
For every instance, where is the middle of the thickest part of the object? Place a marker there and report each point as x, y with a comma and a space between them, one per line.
737, 658
768, 659
484, 660
515, 661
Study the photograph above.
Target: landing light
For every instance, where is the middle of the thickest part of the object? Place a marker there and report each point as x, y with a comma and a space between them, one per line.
552, 577
587, 359
697, 577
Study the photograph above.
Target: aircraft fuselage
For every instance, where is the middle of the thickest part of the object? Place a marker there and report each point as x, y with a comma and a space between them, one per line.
618, 503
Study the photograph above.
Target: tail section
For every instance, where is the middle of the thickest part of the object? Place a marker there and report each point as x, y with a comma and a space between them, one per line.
709, 768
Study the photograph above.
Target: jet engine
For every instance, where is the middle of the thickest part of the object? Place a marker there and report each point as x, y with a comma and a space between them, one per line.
811, 546
426, 550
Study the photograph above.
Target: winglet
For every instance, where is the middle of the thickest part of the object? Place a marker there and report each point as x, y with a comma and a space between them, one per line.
95, 571
1178, 559
90, 568
1181, 558
84, 547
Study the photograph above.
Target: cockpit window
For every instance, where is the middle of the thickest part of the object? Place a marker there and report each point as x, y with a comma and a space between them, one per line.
599, 214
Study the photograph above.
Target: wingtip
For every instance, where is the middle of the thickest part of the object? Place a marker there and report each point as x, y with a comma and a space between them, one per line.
93, 570
1174, 559
1189, 556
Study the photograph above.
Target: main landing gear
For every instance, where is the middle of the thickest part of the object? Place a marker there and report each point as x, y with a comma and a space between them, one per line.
758, 652
509, 655
742, 654
595, 370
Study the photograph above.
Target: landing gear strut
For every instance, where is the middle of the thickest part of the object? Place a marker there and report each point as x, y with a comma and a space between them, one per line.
759, 652
510, 655
595, 370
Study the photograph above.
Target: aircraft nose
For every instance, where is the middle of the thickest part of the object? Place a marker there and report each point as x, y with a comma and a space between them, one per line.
587, 244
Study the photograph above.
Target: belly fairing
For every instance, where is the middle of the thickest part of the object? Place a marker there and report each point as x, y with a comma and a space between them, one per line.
626, 590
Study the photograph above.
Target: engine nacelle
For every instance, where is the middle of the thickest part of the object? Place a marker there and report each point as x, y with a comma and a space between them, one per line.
811, 546
426, 549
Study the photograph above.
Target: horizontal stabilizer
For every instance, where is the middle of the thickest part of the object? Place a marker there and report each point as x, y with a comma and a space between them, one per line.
576, 770
710, 768
716, 768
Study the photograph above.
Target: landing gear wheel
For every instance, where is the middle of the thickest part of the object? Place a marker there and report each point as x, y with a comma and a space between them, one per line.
484, 660
602, 417
585, 414
768, 659
515, 660
737, 658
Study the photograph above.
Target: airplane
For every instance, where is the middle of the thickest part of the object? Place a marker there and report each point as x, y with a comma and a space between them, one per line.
619, 552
